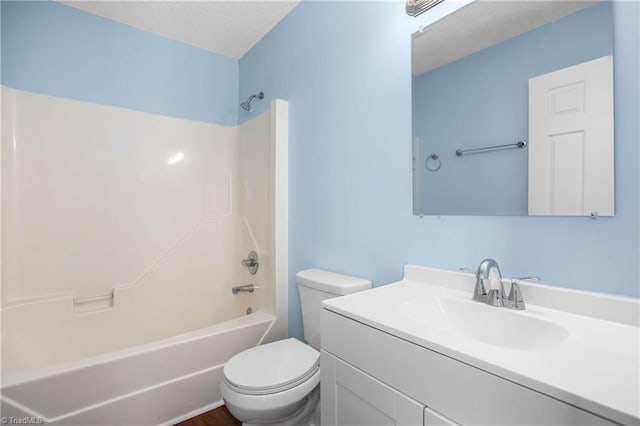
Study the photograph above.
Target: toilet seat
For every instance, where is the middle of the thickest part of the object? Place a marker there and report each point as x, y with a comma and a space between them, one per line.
271, 368
271, 390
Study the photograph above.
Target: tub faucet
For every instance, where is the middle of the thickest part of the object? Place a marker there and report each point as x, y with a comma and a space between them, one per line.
485, 293
248, 288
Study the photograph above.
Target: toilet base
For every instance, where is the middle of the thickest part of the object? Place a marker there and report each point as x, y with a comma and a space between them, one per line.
307, 415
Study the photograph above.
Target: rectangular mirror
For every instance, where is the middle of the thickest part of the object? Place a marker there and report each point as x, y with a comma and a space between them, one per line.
483, 79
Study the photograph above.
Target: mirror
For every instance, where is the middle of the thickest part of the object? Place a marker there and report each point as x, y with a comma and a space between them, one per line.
470, 90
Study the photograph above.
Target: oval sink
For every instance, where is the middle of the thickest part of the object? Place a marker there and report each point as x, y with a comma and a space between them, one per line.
500, 326
483, 323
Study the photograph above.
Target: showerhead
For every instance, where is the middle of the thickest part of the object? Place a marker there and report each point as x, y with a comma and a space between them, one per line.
246, 105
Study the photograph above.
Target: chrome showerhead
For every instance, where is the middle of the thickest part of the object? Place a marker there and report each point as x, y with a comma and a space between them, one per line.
246, 105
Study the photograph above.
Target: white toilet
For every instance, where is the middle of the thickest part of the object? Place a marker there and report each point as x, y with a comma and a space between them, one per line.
278, 383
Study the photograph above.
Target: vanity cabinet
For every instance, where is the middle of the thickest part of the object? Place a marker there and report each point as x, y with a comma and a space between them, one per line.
371, 377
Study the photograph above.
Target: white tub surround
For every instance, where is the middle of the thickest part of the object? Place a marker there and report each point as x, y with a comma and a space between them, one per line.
96, 195
121, 229
570, 358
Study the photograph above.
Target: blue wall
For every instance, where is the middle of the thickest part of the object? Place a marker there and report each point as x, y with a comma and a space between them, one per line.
345, 69
482, 100
57, 50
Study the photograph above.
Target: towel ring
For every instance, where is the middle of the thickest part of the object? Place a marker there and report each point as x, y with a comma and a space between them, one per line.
435, 166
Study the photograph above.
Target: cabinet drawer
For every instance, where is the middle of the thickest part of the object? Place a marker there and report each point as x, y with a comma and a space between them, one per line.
462, 393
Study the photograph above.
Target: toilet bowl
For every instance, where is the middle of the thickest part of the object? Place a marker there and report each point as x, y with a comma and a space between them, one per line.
272, 383
279, 383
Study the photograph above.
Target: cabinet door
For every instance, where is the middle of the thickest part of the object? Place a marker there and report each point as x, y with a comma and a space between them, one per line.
353, 398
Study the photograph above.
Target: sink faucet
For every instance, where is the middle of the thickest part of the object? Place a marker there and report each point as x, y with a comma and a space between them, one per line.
493, 297
496, 296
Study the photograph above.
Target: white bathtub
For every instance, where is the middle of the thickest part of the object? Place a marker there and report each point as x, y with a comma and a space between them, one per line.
157, 383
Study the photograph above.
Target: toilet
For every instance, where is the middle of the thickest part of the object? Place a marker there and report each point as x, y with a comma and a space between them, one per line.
278, 383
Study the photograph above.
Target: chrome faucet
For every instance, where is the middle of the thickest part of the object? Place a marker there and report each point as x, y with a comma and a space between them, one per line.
493, 297
248, 288
496, 296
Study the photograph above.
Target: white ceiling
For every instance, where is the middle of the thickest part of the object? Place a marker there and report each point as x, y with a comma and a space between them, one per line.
229, 27
482, 24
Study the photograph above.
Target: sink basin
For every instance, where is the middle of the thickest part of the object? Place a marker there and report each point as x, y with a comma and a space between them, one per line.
484, 323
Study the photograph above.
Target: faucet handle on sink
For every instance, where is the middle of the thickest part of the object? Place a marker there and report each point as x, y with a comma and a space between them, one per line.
518, 279
515, 299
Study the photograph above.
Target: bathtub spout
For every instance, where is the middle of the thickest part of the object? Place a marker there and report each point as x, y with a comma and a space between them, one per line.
249, 288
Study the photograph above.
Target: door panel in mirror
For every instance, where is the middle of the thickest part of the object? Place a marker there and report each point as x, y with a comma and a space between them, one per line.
571, 141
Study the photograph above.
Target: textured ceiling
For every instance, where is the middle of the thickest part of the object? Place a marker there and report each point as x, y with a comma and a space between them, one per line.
229, 28
482, 24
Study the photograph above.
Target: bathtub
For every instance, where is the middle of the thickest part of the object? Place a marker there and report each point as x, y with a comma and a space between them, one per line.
162, 382
116, 302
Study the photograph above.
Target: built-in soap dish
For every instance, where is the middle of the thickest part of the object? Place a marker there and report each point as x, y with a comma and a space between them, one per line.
85, 305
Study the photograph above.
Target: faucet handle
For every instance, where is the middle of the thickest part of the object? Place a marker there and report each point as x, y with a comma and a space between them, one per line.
515, 298
518, 279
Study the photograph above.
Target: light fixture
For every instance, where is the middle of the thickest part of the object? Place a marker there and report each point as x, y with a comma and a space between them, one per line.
416, 7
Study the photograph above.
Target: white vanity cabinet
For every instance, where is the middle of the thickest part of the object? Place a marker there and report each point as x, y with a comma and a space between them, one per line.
370, 377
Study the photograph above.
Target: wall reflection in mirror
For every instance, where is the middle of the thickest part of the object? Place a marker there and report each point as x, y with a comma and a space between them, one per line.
475, 77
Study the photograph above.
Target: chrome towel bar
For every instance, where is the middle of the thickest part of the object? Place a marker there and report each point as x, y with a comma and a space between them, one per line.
519, 144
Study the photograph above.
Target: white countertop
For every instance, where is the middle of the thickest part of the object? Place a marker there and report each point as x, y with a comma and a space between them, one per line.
595, 365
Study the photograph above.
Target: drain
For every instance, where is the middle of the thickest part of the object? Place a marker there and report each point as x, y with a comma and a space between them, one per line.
249, 310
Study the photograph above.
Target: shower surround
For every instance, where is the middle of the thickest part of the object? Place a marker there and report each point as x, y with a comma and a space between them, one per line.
122, 235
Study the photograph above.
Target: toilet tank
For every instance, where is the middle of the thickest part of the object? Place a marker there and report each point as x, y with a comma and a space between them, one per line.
316, 285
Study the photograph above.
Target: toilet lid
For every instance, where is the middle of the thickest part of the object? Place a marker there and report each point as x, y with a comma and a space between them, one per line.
272, 366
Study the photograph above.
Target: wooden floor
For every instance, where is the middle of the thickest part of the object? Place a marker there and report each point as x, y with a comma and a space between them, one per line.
218, 417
